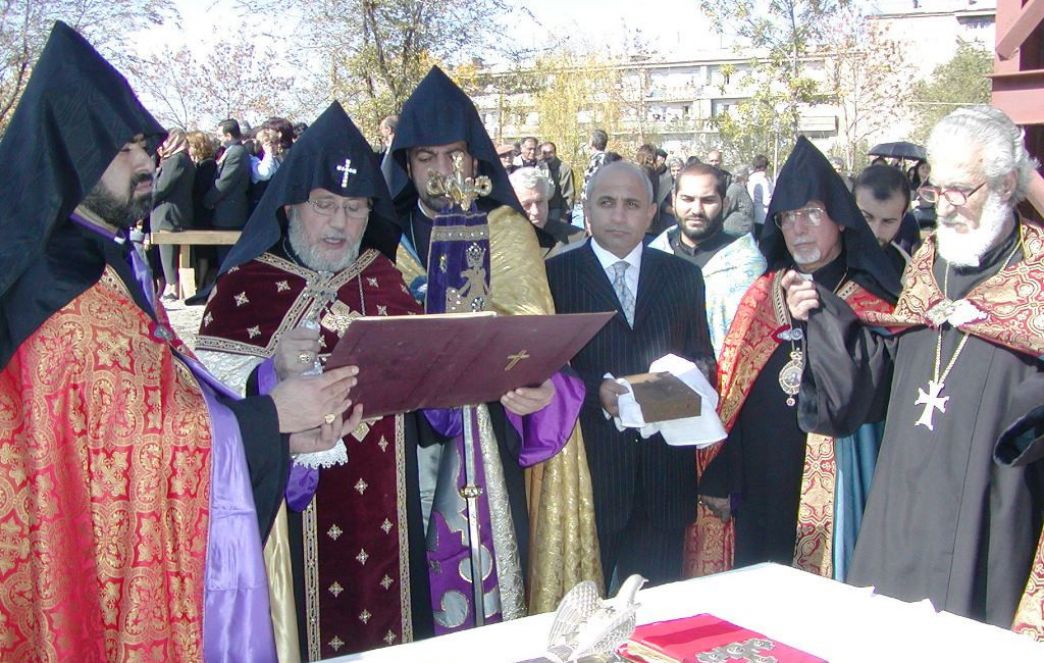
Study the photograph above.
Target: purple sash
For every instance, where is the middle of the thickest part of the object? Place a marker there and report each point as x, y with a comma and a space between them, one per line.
237, 623
458, 264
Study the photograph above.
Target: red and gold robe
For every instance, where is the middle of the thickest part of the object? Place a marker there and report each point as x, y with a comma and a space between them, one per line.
356, 570
752, 338
95, 413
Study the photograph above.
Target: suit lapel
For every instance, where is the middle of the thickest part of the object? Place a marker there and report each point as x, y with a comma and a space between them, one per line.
595, 281
650, 281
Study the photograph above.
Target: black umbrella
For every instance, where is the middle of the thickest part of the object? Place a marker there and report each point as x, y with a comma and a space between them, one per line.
900, 150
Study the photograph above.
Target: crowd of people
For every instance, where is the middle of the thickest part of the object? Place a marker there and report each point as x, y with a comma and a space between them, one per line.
881, 389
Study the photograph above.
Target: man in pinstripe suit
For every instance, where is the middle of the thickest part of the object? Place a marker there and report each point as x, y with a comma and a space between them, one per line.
644, 490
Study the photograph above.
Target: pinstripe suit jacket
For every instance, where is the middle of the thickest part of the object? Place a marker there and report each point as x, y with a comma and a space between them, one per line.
627, 472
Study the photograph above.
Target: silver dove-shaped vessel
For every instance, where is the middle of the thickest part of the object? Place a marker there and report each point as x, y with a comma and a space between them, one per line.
586, 626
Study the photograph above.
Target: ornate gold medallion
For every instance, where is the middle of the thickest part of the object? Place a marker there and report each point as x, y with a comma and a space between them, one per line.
790, 376
338, 317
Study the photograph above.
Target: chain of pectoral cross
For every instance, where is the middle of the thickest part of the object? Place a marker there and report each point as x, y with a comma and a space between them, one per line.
933, 399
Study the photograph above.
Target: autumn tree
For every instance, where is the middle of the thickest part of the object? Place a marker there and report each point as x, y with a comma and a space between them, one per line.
232, 80
25, 25
370, 54
786, 34
576, 93
962, 81
753, 126
867, 78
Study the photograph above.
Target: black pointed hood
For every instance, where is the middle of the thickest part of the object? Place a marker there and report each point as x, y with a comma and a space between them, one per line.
75, 115
318, 160
438, 112
808, 175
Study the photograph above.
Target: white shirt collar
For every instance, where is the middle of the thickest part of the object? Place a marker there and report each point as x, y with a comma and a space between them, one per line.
607, 260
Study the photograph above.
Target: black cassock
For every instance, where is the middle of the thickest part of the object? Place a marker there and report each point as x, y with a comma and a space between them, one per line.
945, 520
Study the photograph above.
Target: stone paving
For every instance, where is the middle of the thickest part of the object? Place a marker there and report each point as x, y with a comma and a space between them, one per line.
185, 320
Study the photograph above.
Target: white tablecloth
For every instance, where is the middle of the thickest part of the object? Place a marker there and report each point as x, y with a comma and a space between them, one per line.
823, 617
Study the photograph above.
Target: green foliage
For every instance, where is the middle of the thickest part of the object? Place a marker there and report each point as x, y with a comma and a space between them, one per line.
757, 125
788, 32
374, 52
963, 81
786, 36
565, 86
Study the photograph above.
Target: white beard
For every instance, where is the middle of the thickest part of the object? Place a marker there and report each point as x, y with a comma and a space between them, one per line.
967, 249
807, 255
312, 258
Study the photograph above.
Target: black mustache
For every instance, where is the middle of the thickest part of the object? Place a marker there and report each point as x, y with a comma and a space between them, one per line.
139, 178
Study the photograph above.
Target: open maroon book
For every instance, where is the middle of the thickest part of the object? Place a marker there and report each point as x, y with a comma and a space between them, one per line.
707, 638
432, 361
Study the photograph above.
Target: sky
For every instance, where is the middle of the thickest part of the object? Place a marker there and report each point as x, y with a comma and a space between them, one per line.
676, 26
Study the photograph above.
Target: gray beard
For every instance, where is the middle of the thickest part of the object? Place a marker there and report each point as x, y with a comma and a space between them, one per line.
312, 259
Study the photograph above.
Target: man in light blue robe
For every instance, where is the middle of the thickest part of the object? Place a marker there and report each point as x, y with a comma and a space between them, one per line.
730, 264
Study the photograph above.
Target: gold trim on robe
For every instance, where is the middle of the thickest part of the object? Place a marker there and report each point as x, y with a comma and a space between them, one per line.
710, 543
563, 547
233, 359
1012, 299
1029, 617
105, 452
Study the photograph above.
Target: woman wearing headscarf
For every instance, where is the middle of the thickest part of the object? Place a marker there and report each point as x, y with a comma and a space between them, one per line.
172, 202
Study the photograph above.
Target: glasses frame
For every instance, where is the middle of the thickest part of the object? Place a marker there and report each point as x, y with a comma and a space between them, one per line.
806, 212
335, 206
949, 193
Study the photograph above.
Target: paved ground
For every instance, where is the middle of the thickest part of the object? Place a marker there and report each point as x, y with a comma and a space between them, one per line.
185, 320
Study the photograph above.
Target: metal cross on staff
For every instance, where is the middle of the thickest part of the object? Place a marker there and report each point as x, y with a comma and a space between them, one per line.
347, 170
461, 190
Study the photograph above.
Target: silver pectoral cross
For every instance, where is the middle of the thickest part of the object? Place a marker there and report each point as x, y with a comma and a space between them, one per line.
347, 170
931, 402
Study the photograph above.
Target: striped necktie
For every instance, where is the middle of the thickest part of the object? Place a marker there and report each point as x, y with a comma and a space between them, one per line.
623, 293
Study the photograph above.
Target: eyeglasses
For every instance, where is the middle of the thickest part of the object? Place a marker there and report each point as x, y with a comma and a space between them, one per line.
954, 196
810, 215
352, 209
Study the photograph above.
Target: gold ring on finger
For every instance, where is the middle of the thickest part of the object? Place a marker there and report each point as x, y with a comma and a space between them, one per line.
329, 418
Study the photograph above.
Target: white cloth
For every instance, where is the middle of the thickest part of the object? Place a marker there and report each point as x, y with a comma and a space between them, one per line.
826, 618
701, 431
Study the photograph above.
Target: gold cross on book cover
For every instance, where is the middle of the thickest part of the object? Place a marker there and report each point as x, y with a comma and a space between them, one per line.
434, 361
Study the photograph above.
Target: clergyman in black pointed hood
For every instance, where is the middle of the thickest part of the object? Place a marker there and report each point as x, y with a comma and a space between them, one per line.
316, 254
759, 481
487, 257
76, 115
438, 121
330, 155
118, 442
836, 236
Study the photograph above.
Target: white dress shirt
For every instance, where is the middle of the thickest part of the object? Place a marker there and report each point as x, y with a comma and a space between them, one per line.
607, 260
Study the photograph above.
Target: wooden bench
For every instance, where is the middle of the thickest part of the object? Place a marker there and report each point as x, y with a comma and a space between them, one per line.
186, 273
